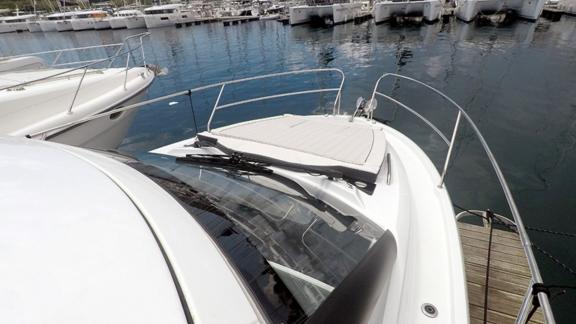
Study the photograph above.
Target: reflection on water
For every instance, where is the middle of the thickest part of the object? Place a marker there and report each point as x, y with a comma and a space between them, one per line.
517, 82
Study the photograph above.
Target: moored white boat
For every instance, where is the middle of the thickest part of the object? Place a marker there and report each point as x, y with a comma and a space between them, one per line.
33, 25
135, 22
119, 19
311, 219
167, 15
36, 100
15, 23
430, 10
49, 22
91, 19
325, 12
467, 10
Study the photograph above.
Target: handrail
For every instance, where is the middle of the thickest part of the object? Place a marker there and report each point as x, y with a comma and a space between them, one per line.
189, 92
524, 238
337, 100
91, 63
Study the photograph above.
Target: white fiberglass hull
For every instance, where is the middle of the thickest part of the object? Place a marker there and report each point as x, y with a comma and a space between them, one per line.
46, 104
89, 23
160, 20
64, 25
336, 13
117, 22
34, 26
467, 10
48, 25
135, 22
103, 133
13, 27
163, 20
430, 10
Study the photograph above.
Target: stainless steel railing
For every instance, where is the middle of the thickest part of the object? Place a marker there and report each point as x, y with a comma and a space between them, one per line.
217, 106
123, 49
516, 218
335, 110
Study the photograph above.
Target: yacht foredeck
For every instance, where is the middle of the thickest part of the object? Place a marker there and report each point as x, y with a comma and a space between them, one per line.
357, 148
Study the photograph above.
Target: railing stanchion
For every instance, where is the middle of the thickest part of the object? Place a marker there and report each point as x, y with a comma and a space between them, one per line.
449, 154
126, 71
77, 90
523, 235
56, 58
215, 107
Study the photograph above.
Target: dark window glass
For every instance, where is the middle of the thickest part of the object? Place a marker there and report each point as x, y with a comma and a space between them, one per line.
290, 249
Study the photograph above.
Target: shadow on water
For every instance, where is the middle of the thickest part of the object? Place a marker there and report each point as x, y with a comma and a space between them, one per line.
516, 81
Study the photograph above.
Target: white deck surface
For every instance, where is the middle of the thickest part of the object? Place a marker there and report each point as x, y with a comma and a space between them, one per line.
309, 140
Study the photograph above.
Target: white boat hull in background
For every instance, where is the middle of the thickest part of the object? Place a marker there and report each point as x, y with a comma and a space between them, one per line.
83, 24
13, 27
34, 26
117, 22
48, 25
430, 10
467, 10
134, 22
160, 20
337, 13
102, 24
64, 25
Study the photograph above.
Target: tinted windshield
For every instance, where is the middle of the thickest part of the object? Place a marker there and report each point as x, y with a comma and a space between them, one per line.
291, 249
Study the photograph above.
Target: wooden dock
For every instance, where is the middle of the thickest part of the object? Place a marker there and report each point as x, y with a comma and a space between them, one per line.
509, 276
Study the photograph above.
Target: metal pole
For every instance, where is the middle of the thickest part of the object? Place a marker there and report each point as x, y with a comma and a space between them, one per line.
77, 90
452, 140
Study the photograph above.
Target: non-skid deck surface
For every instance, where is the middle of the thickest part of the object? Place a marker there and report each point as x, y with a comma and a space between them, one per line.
509, 274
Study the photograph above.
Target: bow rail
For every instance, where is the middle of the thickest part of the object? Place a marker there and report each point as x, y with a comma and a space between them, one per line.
123, 50
217, 106
516, 218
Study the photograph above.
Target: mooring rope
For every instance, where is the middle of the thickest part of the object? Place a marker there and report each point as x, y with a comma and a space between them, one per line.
489, 217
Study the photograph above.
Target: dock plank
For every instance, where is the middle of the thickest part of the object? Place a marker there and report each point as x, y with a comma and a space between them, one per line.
509, 275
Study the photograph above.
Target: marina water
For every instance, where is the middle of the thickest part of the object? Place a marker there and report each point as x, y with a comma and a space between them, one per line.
518, 82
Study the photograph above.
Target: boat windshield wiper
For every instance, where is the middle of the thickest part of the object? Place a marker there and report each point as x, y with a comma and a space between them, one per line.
235, 162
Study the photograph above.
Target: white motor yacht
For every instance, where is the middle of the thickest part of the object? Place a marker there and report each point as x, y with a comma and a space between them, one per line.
430, 10
91, 19
120, 18
307, 219
34, 97
15, 23
167, 15
467, 10
325, 12
48, 23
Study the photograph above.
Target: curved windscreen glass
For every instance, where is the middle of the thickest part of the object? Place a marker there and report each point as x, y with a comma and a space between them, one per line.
290, 249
